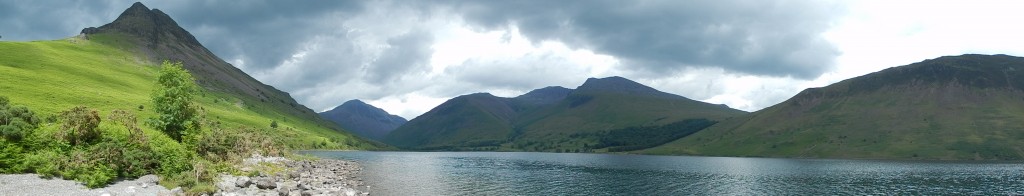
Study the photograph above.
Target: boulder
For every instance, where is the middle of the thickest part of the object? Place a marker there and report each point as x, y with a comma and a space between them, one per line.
243, 182
265, 183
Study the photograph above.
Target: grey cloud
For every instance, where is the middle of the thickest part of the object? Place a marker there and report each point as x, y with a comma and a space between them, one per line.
753, 37
524, 73
263, 33
405, 52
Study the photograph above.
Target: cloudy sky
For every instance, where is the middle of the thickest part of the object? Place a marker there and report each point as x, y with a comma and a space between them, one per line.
409, 56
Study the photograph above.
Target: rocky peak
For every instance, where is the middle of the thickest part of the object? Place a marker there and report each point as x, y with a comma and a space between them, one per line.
153, 26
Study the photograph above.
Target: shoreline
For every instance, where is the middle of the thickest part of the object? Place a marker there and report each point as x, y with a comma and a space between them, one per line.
276, 176
297, 177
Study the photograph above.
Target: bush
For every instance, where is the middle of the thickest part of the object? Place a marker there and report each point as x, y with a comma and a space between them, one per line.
173, 158
16, 122
79, 125
11, 158
45, 163
228, 144
177, 113
83, 166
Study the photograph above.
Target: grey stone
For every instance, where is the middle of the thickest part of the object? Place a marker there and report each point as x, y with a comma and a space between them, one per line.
177, 191
283, 191
310, 192
265, 183
243, 182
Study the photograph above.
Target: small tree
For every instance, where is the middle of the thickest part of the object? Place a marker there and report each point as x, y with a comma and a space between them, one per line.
177, 114
273, 124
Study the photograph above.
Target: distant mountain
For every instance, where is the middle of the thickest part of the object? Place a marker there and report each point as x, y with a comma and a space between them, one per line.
150, 36
364, 119
549, 119
953, 107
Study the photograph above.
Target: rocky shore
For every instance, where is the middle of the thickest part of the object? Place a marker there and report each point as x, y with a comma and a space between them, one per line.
276, 176
298, 178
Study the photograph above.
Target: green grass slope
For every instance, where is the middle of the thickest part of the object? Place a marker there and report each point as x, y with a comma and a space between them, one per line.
952, 108
108, 71
52, 76
470, 120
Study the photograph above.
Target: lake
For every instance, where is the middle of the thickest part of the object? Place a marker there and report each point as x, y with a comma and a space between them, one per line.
532, 173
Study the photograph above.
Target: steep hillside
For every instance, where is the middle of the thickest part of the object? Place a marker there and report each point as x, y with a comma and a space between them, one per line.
953, 107
114, 66
364, 119
551, 118
600, 105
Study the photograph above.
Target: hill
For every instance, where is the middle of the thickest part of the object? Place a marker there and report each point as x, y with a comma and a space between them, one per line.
953, 107
363, 119
551, 119
114, 67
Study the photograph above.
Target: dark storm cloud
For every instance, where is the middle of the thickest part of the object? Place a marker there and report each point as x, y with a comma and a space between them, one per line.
261, 33
775, 38
48, 20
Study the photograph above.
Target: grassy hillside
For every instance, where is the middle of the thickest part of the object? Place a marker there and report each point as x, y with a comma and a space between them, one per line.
955, 108
469, 120
51, 76
579, 120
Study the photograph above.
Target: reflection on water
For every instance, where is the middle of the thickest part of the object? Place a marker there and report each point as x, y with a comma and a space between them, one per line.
527, 173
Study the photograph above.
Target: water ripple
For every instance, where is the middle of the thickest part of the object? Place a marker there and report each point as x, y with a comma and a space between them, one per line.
493, 173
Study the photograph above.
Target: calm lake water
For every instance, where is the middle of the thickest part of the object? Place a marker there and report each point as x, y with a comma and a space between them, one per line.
530, 173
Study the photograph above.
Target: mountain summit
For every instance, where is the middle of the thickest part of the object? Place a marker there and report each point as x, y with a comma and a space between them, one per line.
616, 84
364, 119
153, 27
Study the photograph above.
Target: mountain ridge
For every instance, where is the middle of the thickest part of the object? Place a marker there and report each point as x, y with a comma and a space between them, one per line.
523, 122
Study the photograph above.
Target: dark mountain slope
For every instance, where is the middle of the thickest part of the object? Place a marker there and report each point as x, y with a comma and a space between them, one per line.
953, 107
364, 119
468, 120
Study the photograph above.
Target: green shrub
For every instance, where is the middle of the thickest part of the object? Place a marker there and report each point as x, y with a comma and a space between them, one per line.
79, 125
173, 158
177, 113
97, 176
44, 162
228, 144
11, 156
16, 122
